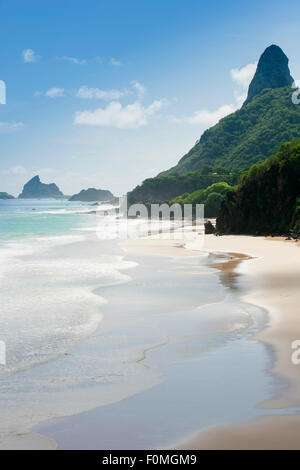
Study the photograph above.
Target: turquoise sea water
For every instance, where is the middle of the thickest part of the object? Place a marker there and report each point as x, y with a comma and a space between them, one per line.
31, 217
86, 324
46, 301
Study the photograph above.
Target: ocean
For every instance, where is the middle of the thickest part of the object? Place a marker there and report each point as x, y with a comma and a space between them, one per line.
87, 325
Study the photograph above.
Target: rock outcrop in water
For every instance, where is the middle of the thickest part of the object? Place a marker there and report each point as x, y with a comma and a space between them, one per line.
35, 189
92, 195
6, 196
267, 201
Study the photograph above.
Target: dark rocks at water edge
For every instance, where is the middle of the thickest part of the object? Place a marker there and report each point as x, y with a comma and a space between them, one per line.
92, 194
5, 196
209, 228
35, 189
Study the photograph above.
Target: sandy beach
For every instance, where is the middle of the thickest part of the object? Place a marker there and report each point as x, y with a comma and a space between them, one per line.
193, 351
192, 332
272, 273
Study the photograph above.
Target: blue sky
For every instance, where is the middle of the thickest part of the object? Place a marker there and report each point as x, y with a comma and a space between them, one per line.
106, 93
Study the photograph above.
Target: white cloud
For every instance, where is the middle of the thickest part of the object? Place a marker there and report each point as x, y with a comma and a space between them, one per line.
72, 60
240, 97
30, 56
111, 95
242, 77
115, 62
7, 127
55, 92
96, 93
139, 88
206, 117
85, 92
43, 172
115, 115
99, 59
15, 170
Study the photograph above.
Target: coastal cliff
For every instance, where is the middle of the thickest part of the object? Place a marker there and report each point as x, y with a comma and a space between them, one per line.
267, 200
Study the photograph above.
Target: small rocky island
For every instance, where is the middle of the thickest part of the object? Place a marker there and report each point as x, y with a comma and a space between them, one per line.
35, 189
93, 195
6, 196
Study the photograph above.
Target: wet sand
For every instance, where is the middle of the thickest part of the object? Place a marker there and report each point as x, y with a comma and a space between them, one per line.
273, 274
269, 433
270, 273
193, 300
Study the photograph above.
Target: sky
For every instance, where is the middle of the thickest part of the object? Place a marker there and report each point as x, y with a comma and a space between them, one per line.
107, 93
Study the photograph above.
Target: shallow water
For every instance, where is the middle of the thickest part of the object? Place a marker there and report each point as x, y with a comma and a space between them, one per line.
212, 371
24, 218
46, 301
166, 344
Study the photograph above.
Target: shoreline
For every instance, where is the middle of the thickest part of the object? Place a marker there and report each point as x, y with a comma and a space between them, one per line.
18, 431
235, 249
222, 315
275, 264
271, 273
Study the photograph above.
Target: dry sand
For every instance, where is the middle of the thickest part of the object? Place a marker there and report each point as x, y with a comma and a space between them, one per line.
269, 433
273, 275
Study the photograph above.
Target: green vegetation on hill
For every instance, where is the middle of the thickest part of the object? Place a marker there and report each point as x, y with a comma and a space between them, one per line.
266, 120
267, 200
211, 197
6, 196
247, 136
165, 188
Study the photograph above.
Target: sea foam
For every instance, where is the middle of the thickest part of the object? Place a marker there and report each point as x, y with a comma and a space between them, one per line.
47, 303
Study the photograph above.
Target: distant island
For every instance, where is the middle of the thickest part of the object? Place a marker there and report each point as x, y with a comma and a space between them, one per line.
6, 196
35, 189
93, 195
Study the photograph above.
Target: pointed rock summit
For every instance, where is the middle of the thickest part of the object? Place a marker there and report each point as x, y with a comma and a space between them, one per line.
272, 72
35, 189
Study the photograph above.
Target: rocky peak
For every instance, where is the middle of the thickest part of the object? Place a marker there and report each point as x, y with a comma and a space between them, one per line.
272, 72
35, 189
